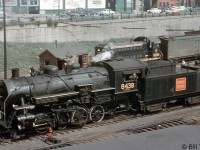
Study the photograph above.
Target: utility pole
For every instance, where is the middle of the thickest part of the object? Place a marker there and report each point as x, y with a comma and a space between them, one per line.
4, 33
59, 10
27, 6
131, 6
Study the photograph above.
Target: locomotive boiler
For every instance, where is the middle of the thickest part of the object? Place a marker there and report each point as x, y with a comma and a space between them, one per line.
56, 98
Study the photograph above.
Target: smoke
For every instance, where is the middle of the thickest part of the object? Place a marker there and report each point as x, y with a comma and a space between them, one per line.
108, 46
102, 56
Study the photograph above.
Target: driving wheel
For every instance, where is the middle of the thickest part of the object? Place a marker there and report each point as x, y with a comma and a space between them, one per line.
96, 113
79, 117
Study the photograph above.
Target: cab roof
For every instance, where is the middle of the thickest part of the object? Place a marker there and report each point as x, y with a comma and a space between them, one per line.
124, 64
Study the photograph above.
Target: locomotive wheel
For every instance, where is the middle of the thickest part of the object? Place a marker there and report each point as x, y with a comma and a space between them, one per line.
79, 117
96, 113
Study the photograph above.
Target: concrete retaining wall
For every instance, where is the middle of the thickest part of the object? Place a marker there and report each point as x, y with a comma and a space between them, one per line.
103, 30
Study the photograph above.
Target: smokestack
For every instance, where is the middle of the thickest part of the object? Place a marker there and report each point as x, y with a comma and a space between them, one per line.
15, 72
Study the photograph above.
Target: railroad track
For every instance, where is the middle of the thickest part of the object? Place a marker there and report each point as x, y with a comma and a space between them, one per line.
55, 142
120, 118
162, 125
106, 135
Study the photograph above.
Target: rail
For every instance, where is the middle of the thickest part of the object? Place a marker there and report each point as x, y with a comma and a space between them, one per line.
145, 128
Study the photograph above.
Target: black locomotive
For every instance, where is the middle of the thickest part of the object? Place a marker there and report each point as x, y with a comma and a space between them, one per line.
141, 48
56, 98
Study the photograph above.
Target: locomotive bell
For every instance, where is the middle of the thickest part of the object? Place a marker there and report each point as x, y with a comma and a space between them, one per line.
15, 72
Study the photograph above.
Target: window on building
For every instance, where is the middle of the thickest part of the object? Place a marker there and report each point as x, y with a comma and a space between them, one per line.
164, 4
29, 2
47, 63
33, 2
160, 4
24, 2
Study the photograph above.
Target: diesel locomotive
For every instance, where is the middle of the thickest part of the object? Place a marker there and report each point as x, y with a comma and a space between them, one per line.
56, 98
144, 48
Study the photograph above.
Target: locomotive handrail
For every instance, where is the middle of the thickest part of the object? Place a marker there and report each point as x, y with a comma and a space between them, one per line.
101, 73
55, 95
105, 89
65, 83
24, 107
128, 91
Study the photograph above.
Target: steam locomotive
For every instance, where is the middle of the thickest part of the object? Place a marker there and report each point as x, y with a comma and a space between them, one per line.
56, 98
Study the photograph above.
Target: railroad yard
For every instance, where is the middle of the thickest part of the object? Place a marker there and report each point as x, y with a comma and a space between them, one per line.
147, 84
120, 125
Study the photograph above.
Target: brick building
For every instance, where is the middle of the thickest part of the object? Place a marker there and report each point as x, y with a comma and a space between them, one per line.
169, 3
62, 57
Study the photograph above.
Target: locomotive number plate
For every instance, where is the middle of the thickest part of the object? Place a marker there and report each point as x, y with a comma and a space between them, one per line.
127, 86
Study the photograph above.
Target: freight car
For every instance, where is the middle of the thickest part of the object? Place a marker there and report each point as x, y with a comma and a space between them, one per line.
180, 46
56, 98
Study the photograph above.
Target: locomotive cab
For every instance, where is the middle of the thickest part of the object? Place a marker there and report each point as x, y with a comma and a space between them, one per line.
124, 74
124, 77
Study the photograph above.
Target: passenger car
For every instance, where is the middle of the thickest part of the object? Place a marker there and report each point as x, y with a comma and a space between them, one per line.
106, 12
154, 10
